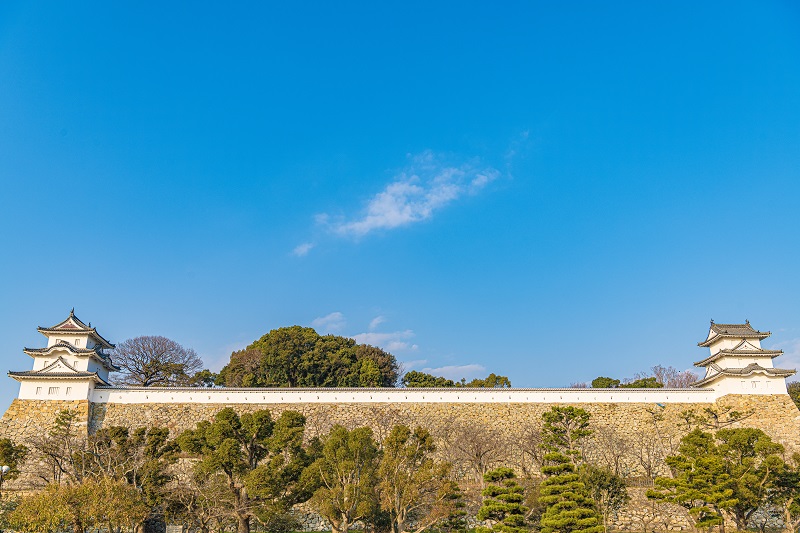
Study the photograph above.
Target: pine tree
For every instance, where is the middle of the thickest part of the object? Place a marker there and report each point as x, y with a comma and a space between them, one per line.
700, 483
502, 502
569, 509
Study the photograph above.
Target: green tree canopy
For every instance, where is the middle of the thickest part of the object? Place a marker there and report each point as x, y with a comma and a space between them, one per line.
785, 495
568, 507
643, 383
413, 486
11, 455
564, 430
794, 392
299, 357
492, 381
262, 461
701, 482
92, 504
601, 382
414, 378
346, 473
607, 489
753, 462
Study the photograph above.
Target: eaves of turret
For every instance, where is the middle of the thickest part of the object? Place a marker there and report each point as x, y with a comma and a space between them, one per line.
94, 353
772, 354
746, 371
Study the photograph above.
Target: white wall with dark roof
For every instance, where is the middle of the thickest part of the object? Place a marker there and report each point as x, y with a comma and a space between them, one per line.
455, 395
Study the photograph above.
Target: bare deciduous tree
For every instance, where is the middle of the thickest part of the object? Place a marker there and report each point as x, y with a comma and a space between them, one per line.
649, 453
610, 449
528, 450
472, 448
382, 420
149, 361
671, 378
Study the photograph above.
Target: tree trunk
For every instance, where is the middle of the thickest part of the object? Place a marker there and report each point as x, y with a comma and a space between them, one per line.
788, 523
344, 524
338, 526
242, 523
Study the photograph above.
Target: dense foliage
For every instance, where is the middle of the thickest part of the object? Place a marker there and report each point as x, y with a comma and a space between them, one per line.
415, 378
659, 376
260, 460
794, 392
568, 507
503, 502
299, 357
246, 471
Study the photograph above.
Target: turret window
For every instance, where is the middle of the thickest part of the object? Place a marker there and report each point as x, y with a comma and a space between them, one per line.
69, 391
52, 391
38, 390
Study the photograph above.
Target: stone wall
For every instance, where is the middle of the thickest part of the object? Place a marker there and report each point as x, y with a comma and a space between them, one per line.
646, 515
26, 419
775, 414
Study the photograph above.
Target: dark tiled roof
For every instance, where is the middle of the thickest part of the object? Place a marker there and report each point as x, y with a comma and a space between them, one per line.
73, 324
746, 371
772, 354
742, 331
64, 345
105, 359
32, 374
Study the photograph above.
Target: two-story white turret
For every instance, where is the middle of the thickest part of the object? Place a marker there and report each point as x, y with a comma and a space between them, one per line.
71, 364
738, 364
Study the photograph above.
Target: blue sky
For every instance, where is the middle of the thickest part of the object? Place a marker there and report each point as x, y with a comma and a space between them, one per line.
550, 191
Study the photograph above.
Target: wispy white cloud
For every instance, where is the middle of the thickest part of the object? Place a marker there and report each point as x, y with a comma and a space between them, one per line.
391, 341
377, 321
329, 323
302, 250
424, 186
456, 372
414, 363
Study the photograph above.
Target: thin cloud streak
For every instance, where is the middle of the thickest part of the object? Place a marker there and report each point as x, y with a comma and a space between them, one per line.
377, 321
391, 341
301, 250
425, 186
329, 323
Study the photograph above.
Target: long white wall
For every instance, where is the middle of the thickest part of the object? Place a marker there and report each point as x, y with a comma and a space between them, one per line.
289, 396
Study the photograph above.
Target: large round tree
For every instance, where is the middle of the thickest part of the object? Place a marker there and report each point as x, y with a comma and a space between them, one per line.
297, 356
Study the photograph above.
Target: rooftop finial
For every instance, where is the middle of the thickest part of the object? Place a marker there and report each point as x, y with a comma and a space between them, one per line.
746, 321
72, 312
712, 321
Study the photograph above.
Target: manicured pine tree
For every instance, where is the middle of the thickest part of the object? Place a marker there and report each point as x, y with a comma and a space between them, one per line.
502, 503
569, 509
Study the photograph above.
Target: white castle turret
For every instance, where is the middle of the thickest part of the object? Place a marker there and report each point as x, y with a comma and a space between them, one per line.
738, 364
73, 362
